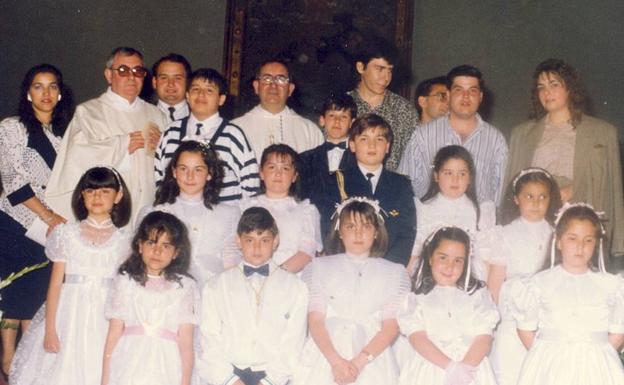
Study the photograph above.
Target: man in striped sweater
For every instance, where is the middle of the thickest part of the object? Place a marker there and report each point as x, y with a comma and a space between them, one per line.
205, 94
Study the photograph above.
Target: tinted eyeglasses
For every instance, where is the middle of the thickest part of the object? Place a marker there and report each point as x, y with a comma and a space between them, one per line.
280, 80
125, 71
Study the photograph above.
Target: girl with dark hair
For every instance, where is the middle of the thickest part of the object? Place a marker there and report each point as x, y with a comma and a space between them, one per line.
190, 191
451, 199
28, 144
580, 151
514, 251
153, 308
66, 339
354, 298
298, 221
570, 316
450, 317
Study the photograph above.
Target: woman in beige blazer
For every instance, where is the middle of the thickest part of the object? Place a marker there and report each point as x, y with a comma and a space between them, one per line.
582, 152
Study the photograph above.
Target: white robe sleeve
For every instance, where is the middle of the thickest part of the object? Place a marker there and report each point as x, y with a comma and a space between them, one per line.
525, 305
411, 317
616, 310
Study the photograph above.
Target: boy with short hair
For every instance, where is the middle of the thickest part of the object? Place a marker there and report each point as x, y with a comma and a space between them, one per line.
253, 322
370, 139
206, 92
319, 164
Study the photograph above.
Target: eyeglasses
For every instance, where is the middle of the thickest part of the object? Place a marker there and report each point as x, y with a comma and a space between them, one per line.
441, 96
280, 80
124, 71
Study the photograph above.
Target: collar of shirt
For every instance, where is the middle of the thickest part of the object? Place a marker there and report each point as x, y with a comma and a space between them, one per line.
266, 114
209, 125
356, 94
120, 102
447, 124
334, 156
164, 107
453, 202
376, 174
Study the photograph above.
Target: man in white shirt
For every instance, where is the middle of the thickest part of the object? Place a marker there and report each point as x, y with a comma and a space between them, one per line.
169, 77
117, 129
271, 121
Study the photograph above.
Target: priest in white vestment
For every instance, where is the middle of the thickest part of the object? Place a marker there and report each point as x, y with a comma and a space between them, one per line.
117, 129
271, 121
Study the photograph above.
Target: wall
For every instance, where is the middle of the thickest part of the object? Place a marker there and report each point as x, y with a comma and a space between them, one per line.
507, 39
77, 36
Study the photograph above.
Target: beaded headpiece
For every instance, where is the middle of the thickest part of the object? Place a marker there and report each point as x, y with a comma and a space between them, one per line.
340, 206
530, 170
600, 214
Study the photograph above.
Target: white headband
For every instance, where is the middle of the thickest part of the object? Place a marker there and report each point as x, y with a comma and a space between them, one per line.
418, 279
340, 206
115, 172
529, 170
567, 206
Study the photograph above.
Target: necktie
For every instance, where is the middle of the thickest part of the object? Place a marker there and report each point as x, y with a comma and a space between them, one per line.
171, 111
331, 146
262, 270
369, 177
198, 129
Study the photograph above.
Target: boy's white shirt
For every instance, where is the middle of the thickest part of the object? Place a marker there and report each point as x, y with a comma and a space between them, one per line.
235, 332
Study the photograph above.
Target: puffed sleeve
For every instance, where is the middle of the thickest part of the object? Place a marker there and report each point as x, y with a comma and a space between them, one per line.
15, 179
55, 247
231, 254
189, 303
421, 228
312, 278
485, 313
524, 303
490, 246
310, 239
400, 284
616, 309
119, 297
487, 215
411, 316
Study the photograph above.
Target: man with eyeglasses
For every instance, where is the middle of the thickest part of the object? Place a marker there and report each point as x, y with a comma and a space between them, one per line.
272, 121
462, 126
432, 99
117, 129
374, 64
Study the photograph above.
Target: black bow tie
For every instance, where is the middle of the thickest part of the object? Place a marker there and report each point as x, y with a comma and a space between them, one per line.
262, 270
331, 146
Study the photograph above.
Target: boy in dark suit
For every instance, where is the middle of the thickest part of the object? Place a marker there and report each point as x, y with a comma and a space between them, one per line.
319, 164
370, 139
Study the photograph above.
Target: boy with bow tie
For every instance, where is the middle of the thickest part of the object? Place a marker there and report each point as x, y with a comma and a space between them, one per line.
253, 320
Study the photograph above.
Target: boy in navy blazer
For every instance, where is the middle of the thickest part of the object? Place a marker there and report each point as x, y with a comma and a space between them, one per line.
319, 164
370, 140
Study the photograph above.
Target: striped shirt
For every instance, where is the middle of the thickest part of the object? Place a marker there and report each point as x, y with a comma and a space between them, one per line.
241, 178
486, 144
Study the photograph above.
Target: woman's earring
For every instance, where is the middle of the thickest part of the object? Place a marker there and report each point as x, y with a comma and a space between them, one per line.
59, 98
28, 98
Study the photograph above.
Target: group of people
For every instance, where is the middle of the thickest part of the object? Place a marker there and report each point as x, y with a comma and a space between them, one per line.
397, 245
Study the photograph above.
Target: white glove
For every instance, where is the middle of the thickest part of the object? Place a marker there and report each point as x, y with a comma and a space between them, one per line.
459, 373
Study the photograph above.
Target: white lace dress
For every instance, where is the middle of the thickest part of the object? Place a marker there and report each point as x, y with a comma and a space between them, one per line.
91, 256
212, 233
148, 352
521, 247
299, 225
572, 314
356, 294
452, 319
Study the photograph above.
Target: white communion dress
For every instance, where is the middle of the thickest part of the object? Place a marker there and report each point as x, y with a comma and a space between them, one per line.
148, 352
92, 253
573, 315
356, 294
521, 247
452, 319
299, 225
